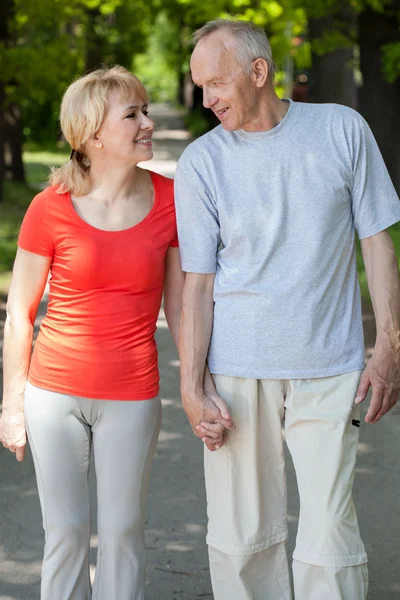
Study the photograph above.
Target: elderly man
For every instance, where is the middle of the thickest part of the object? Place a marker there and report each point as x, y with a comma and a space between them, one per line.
268, 204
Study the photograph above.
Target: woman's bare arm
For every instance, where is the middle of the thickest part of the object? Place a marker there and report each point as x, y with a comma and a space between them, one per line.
27, 285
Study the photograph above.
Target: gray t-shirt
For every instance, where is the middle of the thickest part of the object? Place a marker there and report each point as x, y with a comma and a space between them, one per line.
274, 215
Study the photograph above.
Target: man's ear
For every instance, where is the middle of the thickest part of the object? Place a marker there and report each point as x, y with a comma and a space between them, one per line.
260, 71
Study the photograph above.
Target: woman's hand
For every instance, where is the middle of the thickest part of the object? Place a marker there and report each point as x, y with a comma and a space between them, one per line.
13, 432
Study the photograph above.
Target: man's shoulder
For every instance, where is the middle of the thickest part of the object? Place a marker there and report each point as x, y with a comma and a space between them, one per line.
201, 147
332, 111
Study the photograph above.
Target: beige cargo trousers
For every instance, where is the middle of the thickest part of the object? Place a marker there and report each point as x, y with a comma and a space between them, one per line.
246, 491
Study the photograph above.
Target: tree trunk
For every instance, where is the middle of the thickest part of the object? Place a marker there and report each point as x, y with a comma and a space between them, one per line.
6, 12
332, 74
13, 144
378, 99
2, 137
94, 43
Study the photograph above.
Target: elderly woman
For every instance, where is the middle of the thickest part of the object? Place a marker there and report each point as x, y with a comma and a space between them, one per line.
105, 230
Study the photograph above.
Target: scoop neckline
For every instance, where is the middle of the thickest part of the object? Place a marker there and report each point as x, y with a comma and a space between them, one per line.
153, 210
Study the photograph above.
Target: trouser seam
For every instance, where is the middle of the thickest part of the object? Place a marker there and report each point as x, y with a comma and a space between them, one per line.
39, 471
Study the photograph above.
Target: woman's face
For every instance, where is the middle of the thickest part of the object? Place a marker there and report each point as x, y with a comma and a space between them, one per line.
126, 131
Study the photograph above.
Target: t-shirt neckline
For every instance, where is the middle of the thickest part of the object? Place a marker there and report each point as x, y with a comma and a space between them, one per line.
287, 121
149, 215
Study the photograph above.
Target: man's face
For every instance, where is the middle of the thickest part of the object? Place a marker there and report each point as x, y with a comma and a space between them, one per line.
228, 90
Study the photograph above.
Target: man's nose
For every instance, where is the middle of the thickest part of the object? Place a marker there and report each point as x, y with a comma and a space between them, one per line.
209, 101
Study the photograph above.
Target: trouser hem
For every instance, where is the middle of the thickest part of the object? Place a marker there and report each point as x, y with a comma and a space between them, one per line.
351, 560
247, 549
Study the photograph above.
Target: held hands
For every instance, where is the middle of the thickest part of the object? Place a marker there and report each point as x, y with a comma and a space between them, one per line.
13, 433
382, 373
209, 418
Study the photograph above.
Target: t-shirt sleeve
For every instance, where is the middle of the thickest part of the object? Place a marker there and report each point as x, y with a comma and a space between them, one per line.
36, 233
197, 219
375, 204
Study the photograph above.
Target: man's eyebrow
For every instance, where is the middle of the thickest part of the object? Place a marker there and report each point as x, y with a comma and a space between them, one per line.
209, 81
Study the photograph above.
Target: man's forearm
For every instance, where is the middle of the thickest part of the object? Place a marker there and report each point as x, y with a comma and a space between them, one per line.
384, 286
195, 331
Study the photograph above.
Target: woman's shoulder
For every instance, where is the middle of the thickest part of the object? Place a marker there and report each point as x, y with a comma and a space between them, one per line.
164, 189
50, 193
162, 182
47, 206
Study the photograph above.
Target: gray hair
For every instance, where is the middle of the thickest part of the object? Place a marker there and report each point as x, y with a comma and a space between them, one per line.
251, 41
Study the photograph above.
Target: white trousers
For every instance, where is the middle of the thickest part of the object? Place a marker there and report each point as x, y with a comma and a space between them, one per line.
61, 430
246, 491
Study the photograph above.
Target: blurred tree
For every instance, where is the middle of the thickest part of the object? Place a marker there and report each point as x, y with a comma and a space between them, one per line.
6, 13
372, 27
379, 95
332, 30
11, 125
48, 45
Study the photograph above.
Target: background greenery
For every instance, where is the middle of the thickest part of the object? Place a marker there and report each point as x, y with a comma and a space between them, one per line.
345, 51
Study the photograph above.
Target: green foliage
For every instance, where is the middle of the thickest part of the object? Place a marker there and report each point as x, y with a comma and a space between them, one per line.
196, 123
319, 8
50, 45
16, 200
39, 162
330, 41
157, 66
391, 61
55, 41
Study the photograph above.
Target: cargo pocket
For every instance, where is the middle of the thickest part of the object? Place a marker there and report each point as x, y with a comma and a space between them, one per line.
216, 464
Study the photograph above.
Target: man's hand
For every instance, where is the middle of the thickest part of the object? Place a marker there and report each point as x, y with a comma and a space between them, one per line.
382, 373
12, 433
209, 418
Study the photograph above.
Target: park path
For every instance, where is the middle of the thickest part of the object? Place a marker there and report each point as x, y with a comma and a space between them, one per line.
176, 527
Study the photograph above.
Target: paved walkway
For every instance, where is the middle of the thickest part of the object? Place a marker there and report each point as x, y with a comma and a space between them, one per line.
177, 554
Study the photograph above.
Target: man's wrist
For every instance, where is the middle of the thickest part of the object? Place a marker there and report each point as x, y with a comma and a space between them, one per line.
190, 389
388, 341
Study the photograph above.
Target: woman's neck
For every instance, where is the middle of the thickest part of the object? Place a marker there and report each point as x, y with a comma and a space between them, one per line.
115, 183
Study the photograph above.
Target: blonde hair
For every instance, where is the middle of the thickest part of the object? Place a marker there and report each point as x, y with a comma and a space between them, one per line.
83, 109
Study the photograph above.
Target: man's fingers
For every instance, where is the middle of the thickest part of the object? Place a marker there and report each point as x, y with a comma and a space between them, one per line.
224, 410
386, 406
227, 424
20, 454
214, 416
362, 390
394, 399
376, 404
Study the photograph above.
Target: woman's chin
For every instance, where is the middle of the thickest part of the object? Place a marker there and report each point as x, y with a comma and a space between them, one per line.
147, 156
